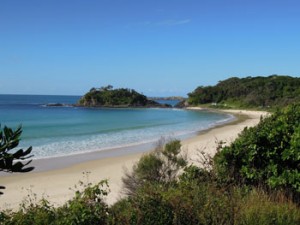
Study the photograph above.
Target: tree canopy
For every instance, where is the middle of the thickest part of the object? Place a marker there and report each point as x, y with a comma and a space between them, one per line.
248, 92
121, 97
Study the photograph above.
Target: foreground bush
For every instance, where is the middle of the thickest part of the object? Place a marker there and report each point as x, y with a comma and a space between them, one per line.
87, 207
196, 200
190, 202
260, 208
267, 155
161, 166
35, 213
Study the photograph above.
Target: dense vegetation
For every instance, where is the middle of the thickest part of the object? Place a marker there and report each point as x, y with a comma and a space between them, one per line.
267, 155
255, 180
249, 92
122, 97
177, 98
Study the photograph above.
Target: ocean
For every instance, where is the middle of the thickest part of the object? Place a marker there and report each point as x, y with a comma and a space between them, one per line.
62, 131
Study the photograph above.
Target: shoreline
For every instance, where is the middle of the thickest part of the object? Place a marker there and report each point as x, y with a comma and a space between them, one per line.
63, 161
55, 184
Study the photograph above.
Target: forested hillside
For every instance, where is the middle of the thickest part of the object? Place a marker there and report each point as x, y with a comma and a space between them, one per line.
248, 92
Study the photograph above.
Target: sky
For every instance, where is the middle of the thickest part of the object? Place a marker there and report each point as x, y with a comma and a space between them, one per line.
157, 47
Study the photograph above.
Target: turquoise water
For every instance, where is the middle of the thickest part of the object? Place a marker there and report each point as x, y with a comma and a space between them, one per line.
58, 131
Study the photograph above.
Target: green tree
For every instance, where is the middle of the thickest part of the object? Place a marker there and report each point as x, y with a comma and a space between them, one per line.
11, 159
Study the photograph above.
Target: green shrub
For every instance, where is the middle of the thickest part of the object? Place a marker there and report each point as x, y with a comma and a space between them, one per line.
266, 155
161, 166
189, 200
265, 209
146, 207
33, 213
123, 212
86, 207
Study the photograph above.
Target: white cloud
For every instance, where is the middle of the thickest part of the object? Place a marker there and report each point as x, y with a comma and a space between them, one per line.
173, 22
159, 23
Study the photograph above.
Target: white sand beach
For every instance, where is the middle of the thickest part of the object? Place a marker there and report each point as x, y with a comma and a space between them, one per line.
55, 184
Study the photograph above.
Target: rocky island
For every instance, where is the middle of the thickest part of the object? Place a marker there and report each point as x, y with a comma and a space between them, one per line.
117, 98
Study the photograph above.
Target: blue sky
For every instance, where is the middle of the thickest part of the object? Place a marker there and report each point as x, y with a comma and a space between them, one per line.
158, 47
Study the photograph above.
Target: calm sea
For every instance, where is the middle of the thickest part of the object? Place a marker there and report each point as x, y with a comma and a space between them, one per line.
58, 131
